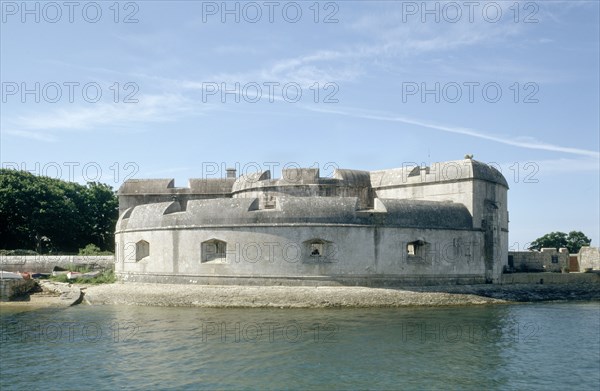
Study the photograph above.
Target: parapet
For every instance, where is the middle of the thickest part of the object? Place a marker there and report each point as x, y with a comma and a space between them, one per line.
355, 178
146, 191
298, 177
167, 186
146, 186
307, 182
451, 171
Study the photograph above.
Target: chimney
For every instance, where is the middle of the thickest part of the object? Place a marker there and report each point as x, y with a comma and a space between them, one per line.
231, 173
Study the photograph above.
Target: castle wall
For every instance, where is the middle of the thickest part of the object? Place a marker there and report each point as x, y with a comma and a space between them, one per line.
589, 258
447, 222
485, 200
285, 252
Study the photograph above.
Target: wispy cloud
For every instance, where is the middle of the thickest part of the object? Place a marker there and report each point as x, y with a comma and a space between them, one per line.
32, 135
149, 109
522, 142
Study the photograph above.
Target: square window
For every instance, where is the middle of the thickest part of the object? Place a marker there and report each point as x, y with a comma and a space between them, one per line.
316, 249
214, 251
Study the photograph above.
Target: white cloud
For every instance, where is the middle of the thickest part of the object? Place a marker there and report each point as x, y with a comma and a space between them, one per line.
150, 108
522, 142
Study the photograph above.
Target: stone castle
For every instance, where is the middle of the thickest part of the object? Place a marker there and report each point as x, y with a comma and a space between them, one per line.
446, 223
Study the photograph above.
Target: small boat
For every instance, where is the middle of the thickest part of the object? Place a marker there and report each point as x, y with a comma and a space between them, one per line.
58, 271
40, 275
74, 275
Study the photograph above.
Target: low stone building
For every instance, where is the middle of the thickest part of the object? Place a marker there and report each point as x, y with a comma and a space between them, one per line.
548, 259
445, 223
589, 258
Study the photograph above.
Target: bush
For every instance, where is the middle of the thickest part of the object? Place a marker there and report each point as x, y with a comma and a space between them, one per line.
106, 277
92, 249
18, 252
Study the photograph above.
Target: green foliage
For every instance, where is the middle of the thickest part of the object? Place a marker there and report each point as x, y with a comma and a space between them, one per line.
576, 240
106, 277
92, 249
49, 215
573, 241
553, 239
17, 252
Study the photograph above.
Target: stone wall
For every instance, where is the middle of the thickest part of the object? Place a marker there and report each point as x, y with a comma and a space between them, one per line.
589, 257
445, 221
10, 288
349, 253
45, 263
550, 278
548, 260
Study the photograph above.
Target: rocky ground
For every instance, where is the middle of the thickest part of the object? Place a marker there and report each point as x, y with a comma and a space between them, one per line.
48, 294
53, 294
321, 297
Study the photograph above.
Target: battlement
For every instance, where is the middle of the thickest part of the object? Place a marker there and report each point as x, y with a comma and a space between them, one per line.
443, 181
298, 177
445, 221
439, 172
146, 191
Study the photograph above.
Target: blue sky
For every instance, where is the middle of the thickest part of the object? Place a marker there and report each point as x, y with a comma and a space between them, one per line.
514, 83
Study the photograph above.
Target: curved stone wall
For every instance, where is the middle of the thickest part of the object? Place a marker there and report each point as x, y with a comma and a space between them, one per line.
302, 251
407, 226
213, 241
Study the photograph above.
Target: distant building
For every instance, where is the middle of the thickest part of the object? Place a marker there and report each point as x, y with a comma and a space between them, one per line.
588, 258
445, 223
546, 260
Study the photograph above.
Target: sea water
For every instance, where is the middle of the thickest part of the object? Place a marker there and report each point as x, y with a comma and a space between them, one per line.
553, 346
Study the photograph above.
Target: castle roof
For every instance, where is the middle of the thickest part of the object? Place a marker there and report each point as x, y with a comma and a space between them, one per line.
450, 171
297, 210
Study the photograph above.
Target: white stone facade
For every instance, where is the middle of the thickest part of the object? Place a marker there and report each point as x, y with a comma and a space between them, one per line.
447, 223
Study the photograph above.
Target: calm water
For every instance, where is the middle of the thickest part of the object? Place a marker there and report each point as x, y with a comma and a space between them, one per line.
530, 346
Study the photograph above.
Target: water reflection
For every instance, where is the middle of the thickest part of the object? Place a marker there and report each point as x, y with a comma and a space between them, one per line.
491, 347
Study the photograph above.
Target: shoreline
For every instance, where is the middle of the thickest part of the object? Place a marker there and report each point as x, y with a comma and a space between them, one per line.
63, 295
236, 296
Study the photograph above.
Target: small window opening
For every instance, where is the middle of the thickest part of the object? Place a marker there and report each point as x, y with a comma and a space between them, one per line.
270, 202
142, 250
416, 248
316, 249
214, 251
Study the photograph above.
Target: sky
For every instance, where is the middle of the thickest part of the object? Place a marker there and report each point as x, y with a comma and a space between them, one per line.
106, 91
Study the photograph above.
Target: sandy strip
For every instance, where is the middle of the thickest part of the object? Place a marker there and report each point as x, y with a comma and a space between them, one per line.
53, 294
321, 297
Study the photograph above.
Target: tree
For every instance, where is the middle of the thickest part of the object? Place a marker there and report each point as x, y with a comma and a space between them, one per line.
577, 240
573, 241
45, 214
